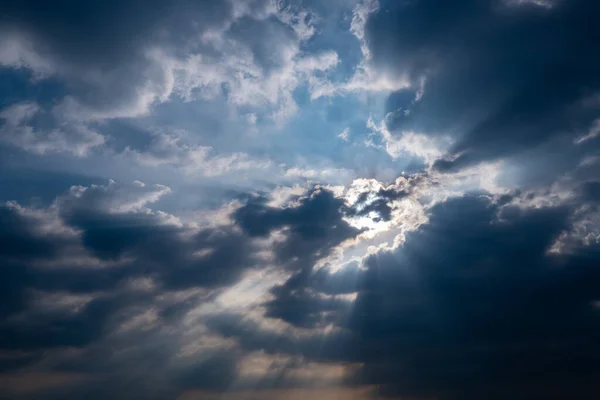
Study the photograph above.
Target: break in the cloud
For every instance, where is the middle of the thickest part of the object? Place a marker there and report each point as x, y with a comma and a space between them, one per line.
257, 199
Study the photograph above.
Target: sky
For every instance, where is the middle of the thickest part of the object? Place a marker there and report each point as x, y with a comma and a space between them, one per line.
300, 199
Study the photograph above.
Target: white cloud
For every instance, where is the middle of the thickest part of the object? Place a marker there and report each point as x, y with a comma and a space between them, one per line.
344, 135
219, 56
593, 133
327, 174
171, 149
221, 164
285, 196
256, 69
234, 65
113, 197
407, 212
423, 146
67, 136
17, 114
540, 3
17, 51
366, 77
360, 14
152, 83
589, 161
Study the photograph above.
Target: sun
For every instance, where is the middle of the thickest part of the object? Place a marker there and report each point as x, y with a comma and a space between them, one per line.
371, 223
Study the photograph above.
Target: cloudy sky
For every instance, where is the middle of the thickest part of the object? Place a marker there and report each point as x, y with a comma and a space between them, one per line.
300, 199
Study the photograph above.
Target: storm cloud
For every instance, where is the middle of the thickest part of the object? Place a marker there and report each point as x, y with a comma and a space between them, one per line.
501, 77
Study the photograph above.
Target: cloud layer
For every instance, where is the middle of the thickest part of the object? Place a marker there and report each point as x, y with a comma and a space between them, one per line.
256, 199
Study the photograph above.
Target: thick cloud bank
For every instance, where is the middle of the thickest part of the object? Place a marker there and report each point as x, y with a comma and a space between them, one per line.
500, 77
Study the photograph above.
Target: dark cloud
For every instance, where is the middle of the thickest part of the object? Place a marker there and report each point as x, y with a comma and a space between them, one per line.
304, 309
37, 249
312, 230
212, 257
216, 373
60, 329
501, 76
19, 238
20, 244
324, 347
473, 306
311, 298
110, 224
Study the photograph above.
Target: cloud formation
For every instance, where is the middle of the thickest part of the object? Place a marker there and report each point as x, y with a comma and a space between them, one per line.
472, 304
98, 266
258, 199
500, 77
